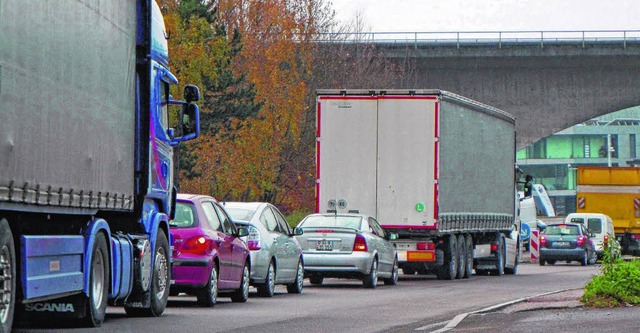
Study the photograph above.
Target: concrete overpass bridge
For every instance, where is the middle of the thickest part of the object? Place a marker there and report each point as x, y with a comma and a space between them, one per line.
548, 80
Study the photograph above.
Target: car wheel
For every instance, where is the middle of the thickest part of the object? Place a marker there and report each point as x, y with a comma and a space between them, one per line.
551, 262
296, 286
242, 294
371, 280
208, 296
542, 262
393, 280
585, 258
317, 280
268, 287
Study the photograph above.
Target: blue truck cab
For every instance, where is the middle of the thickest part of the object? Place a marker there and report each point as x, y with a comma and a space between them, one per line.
87, 186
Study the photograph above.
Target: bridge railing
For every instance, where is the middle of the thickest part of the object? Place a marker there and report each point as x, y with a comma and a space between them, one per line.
497, 38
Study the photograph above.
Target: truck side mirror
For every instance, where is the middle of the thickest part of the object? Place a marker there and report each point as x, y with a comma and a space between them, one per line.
191, 93
190, 122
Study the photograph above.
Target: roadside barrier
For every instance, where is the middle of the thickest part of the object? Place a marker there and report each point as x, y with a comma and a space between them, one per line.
533, 247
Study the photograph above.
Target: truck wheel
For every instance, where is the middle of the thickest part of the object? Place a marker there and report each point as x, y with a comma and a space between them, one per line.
242, 294
316, 281
296, 286
542, 262
450, 267
208, 296
393, 280
468, 269
7, 277
268, 288
98, 283
499, 270
462, 256
159, 292
371, 280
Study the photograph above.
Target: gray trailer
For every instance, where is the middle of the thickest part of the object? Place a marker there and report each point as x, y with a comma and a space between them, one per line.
434, 167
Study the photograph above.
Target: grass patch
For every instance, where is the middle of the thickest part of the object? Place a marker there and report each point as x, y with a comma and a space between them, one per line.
619, 283
296, 216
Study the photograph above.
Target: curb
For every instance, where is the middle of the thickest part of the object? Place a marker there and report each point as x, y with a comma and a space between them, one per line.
459, 318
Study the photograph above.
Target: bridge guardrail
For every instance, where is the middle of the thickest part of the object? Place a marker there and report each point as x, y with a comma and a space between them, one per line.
498, 38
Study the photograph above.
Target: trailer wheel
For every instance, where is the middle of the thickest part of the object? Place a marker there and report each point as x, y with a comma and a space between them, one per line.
98, 283
468, 269
462, 256
7, 277
500, 257
450, 267
159, 292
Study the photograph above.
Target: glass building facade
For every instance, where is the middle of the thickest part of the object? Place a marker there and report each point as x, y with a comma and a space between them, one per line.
552, 161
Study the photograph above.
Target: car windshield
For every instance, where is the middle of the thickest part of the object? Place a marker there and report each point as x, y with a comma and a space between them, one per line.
240, 214
594, 225
562, 229
185, 216
352, 222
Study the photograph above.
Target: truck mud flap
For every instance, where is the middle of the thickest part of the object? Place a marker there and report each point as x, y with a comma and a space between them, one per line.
52, 313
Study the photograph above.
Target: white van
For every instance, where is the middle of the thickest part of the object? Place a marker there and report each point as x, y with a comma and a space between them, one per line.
599, 224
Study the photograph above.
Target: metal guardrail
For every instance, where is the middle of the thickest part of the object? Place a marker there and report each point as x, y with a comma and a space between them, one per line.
498, 38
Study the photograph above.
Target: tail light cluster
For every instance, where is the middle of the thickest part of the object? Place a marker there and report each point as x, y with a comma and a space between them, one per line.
580, 241
606, 239
253, 240
543, 241
494, 247
197, 245
360, 244
425, 246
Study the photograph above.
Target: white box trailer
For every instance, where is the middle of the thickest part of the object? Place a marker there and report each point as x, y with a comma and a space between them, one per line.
436, 168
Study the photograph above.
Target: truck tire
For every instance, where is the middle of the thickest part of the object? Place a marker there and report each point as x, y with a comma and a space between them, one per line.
159, 292
99, 281
462, 256
500, 257
241, 295
267, 288
7, 277
468, 269
208, 296
449, 268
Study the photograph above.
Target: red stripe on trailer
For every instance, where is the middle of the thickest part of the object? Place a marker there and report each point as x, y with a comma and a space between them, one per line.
436, 156
402, 226
349, 97
318, 118
407, 97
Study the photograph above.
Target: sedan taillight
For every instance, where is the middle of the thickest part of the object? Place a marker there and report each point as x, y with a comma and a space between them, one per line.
253, 240
580, 240
360, 244
197, 245
543, 241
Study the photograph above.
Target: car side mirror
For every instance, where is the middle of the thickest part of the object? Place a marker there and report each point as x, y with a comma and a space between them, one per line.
242, 231
392, 236
297, 231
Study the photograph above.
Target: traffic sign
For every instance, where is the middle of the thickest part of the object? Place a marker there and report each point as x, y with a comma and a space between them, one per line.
525, 231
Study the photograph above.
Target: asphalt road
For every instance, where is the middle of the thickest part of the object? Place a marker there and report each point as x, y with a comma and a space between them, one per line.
417, 302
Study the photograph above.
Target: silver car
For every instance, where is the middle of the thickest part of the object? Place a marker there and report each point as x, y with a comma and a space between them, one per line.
348, 246
276, 256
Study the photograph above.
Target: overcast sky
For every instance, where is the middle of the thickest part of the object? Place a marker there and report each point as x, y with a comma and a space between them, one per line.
491, 15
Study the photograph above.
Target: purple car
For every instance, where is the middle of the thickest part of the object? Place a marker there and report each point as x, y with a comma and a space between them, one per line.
209, 257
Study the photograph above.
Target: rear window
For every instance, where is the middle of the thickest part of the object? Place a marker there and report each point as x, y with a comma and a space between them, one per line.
185, 216
594, 225
240, 214
352, 222
562, 229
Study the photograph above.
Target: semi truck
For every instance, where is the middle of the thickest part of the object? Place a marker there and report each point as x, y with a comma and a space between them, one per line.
613, 191
433, 167
86, 175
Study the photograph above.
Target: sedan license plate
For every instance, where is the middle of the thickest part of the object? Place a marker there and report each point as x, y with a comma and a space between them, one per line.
324, 245
561, 244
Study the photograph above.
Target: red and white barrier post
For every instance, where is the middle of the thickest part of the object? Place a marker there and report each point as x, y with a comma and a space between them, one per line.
533, 247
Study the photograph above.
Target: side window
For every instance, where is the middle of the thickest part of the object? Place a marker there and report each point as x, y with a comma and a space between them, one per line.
282, 223
164, 104
227, 225
269, 220
211, 215
376, 227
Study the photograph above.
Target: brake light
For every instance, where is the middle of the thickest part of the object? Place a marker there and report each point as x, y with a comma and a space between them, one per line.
360, 244
197, 245
580, 240
425, 246
323, 231
635, 236
253, 239
606, 239
543, 241
494, 247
